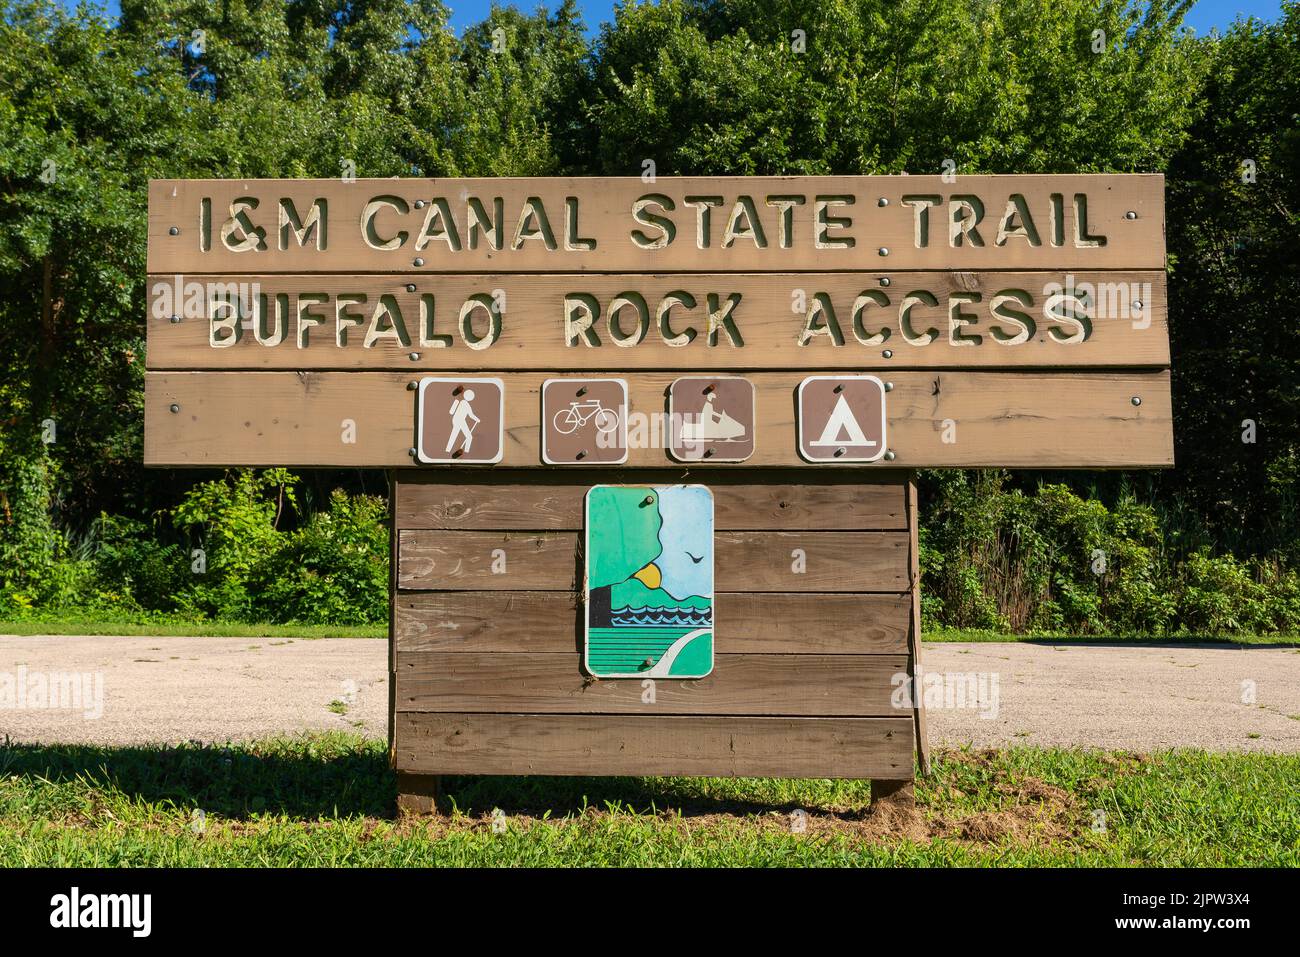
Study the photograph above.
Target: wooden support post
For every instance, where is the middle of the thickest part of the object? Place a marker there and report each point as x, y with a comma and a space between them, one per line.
418, 793
898, 792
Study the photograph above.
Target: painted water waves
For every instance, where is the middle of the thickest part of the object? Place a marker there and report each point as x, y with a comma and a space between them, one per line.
649, 582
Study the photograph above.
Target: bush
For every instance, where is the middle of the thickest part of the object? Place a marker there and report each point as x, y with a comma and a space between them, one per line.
132, 562
1002, 559
333, 570
1222, 594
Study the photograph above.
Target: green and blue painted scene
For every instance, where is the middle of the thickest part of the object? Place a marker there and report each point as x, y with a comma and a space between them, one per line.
649, 594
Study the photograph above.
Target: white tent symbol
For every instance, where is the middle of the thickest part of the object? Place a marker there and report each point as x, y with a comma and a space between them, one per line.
842, 420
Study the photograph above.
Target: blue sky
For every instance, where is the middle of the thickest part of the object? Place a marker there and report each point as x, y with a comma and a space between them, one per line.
1206, 13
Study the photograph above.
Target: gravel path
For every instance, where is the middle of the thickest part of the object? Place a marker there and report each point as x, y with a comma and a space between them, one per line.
207, 689
217, 689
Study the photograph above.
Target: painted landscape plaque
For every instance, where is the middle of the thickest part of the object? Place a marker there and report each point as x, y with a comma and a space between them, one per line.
649, 581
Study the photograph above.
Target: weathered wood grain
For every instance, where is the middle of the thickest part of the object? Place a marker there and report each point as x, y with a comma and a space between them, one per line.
604, 216
741, 684
654, 744
553, 500
514, 622
745, 561
769, 319
1012, 419
914, 623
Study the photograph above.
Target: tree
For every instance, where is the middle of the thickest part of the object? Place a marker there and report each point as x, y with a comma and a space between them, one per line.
1234, 214
878, 86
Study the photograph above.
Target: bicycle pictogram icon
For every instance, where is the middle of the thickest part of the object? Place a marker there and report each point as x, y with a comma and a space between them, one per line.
578, 414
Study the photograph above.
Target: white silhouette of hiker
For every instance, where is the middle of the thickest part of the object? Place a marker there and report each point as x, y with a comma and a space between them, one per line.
461, 413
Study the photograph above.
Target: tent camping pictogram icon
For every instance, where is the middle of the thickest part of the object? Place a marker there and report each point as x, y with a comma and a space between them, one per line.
841, 418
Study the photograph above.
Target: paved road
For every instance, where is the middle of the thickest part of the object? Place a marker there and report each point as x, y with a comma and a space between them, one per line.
218, 689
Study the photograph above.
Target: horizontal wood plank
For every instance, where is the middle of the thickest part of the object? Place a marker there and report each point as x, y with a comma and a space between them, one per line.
520, 622
553, 500
654, 744
744, 561
839, 223
768, 311
744, 684
935, 419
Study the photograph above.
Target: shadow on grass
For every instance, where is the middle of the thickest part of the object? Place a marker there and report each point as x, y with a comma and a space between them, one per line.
690, 797
310, 779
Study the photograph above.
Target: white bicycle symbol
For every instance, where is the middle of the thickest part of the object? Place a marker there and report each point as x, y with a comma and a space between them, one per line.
579, 414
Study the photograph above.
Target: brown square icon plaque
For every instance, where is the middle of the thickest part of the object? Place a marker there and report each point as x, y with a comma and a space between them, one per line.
841, 418
711, 418
584, 421
460, 420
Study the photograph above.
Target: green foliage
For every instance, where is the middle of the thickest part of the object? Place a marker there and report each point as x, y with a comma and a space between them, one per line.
719, 87
997, 557
89, 111
1234, 294
225, 555
232, 527
333, 570
135, 561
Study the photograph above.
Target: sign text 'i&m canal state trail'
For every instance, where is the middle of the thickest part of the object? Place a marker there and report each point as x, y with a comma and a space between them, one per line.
650, 442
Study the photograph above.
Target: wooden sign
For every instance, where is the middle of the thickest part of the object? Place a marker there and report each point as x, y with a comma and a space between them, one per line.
614, 409
1022, 320
686, 224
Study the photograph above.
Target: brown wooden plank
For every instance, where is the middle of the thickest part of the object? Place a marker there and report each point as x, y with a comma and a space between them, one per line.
769, 317
1013, 419
826, 685
742, 501
392, 613
745, 561
654, 744
914, 625
514, 622
883, 230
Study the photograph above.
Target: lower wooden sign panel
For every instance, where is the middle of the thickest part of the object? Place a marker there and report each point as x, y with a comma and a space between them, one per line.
935, 419
757, 622
462, 743
742, 501
747, 561
740, 684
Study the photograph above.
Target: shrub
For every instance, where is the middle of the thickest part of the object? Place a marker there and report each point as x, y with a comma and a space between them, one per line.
1003, 559
333, 570
131, 561
233, 524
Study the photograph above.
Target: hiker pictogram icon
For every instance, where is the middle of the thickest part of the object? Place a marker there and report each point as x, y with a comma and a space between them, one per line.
460, 420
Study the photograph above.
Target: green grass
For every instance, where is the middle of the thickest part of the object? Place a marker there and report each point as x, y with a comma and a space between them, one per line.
74, 625
944, 634
78, 622
327, 800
